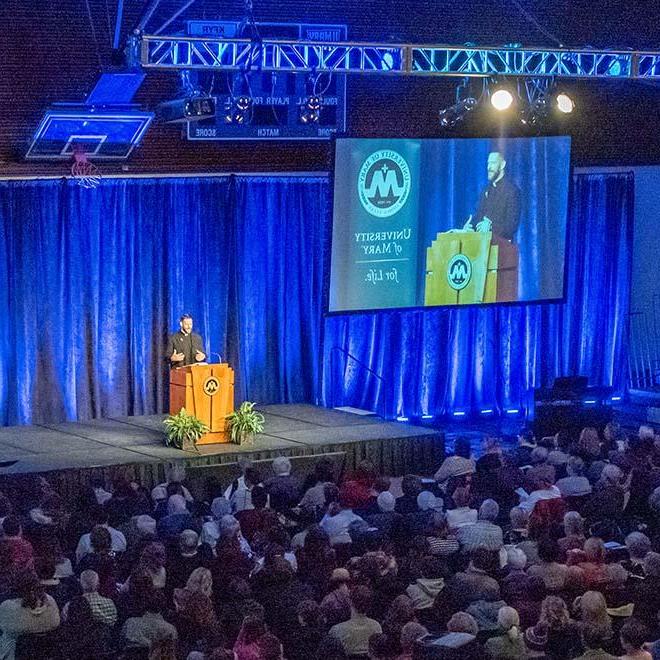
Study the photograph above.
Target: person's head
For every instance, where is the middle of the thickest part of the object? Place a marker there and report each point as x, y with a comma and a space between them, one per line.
495, 166
509, 622
575, 466
381, 647
593, 608
79, 613
427, 501
361, 599
153, 556
646, 433
573, 524
548, 549
186, 324
652, 564
401, 610
253, 628
589, 442
462, 447
611, 475
188, 542
633, 635
100, 539
29, 589
518, 518
44, 567
324, 471
461, 497
229, 528
432, 567
200, 580
252, 477
281, 466
526, 437
554, 613
462, 622
482, 559
411, 485
89, 581
11, 526
489, 510
309, 614
6, 507
410, 633
539, 455
516, 558
612, 432
259, 497
340, 579
386, 502
220, 507
176, 504
594, 550
638, 544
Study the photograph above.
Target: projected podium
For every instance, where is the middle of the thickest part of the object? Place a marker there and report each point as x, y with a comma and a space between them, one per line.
206, 391
467, 268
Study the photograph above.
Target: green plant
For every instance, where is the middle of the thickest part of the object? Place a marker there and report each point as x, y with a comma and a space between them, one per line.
244, 423
183, 430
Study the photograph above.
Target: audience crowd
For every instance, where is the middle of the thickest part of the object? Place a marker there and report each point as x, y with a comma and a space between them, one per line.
550, 549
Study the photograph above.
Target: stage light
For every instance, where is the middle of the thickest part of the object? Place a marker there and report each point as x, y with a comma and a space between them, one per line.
310, 110
513, 411
456, 113
501, 99
535, 113
486, 411
564, 103
401, 418
616, 398
427, 416
238, 110
459, 413
590, 402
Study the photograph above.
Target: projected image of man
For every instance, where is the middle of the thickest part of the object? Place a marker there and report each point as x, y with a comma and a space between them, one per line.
499, 204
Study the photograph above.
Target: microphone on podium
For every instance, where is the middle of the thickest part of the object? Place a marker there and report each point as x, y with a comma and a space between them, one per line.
218, 354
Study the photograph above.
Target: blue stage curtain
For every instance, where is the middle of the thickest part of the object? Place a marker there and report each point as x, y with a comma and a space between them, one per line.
92, 282
448, 360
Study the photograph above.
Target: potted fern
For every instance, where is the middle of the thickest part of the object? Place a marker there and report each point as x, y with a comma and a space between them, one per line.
183, 430
245, 423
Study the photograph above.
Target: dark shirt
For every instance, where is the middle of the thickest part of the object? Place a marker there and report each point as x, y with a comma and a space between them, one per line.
186, 344
284, 492
500, 203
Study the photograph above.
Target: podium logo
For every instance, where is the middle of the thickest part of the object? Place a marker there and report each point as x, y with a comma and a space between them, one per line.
384, 183
211, 386
459, 272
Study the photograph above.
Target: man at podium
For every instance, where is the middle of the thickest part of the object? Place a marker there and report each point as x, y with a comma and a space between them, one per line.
499, 203
185, 347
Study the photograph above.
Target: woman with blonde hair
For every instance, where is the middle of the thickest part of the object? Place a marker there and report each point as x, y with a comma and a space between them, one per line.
592, 609
201, 581
510, 644
555, 634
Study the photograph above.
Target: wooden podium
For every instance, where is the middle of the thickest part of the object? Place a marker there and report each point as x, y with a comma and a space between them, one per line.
467, 268
206, 391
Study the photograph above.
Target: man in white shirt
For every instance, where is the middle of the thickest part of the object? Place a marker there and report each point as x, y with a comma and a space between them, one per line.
118, 539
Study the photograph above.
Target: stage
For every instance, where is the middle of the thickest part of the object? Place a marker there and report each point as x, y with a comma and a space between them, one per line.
68, 454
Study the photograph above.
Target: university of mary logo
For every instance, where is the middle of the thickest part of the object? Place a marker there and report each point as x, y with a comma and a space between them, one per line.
384, 183
211, 385
459, 272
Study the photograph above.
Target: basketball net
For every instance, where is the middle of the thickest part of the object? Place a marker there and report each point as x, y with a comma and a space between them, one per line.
85, 173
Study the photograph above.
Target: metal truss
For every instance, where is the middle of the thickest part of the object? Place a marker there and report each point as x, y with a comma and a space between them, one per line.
156, 52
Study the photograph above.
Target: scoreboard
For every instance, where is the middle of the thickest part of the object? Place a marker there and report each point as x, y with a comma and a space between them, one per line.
278, 99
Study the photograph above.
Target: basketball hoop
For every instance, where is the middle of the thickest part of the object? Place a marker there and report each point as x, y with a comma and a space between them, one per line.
85, 173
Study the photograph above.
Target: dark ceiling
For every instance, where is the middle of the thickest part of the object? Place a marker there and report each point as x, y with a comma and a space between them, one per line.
54, 51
